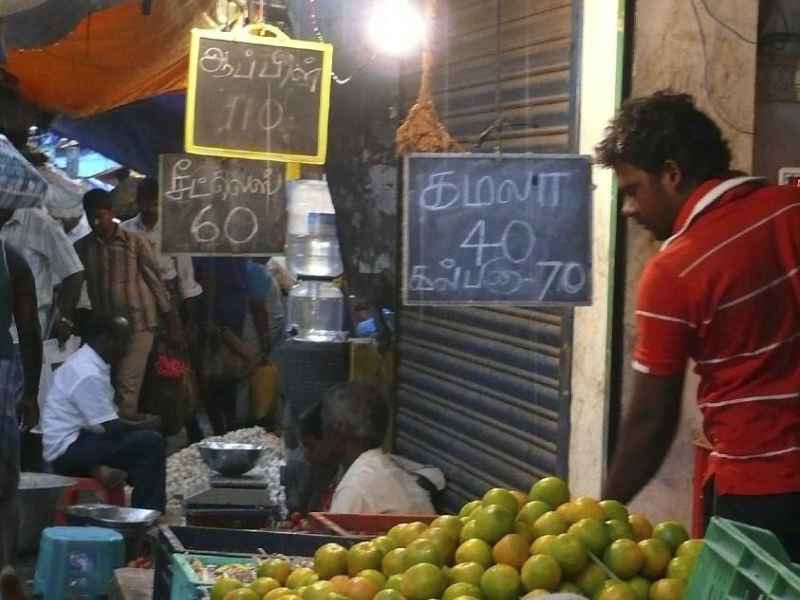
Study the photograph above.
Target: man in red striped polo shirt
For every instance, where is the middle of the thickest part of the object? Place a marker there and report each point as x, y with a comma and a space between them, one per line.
724, 290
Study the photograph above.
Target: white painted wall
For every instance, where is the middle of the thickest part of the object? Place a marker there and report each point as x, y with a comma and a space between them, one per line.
599, 93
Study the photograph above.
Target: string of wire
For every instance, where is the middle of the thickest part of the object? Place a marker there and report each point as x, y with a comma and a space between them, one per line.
706, 73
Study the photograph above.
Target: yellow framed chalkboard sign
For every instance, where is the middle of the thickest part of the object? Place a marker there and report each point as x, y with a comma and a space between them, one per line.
263, 98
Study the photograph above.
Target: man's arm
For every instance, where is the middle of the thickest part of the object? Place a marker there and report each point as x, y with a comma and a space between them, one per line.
26, 316
646, 434
151, 274
118, 426
68, 270
67, 300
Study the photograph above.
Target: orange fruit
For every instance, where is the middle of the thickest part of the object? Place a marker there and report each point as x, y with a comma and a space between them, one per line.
592, 534
444, 542
264, 585
468, 572
457, 590
301, 577
276, 593
619, 530
550, 523
671, 532
624, 558
395, 582
291, 596
320, 590
405, 533
500, 582
589, 508
570, 554
385, 544
541, 572
551, 490
362, 588
690, 550
223, 586
679, 568
667, 589
363, 555
569, 512
614, 510
656, 558
501, 497
277, 568
423, 582
337, 596
532, 511
512, 549
330, 560
543, 544
640, 526
468, 532
241, 594
475, 550
641, 587
394, 562
591, 579
423, 551
340, 584
450, 523
389, 595
493, 522
524, 530
469, 508
567, 587
617, 591
521, 497
376, 577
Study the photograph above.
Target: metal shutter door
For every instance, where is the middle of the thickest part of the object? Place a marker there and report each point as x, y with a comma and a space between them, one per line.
484, 393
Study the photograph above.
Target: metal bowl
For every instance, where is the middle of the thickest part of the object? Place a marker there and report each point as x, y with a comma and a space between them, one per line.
121, 518
230, 459
39, 496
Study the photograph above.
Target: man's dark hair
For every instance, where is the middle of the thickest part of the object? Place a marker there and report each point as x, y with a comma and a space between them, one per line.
97, 326
359, 409
310, 422
96, 199
147, 187
649, 131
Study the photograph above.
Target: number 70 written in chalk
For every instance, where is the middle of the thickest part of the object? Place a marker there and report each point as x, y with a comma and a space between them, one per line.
568, 276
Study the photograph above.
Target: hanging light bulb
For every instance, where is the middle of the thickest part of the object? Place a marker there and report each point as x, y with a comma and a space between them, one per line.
395, 27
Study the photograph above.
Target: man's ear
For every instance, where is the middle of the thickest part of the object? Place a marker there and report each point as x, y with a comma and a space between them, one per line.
672, 176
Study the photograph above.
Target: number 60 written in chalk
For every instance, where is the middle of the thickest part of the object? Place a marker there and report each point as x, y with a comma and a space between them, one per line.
206, 231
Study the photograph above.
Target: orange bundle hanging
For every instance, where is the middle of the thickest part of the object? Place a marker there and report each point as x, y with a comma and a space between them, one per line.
423, 131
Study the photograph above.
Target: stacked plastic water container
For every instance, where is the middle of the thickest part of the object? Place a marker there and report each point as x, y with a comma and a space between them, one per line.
315, 308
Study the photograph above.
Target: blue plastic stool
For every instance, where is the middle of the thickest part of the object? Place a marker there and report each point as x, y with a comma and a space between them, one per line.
77, 562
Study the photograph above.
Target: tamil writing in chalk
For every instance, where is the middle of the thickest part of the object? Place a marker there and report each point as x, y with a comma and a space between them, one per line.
497, 228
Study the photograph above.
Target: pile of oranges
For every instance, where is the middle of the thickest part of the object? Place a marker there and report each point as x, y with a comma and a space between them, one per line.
505, 546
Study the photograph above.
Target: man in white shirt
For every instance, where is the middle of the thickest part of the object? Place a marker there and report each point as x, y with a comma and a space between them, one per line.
80, 426
52, 260
355, 417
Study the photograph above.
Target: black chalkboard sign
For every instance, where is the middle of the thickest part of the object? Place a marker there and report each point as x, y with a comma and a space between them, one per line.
497, 228
221, 206
258, 97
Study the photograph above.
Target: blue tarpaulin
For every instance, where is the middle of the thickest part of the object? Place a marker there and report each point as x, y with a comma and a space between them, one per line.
132, 135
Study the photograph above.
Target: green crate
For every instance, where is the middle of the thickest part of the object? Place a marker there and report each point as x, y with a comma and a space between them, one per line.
186, 585
740, 562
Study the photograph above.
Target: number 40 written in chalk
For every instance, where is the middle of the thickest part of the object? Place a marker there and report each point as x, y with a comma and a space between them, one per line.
569, 277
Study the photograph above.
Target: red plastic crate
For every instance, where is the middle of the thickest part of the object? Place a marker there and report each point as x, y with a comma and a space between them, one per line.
364, 525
